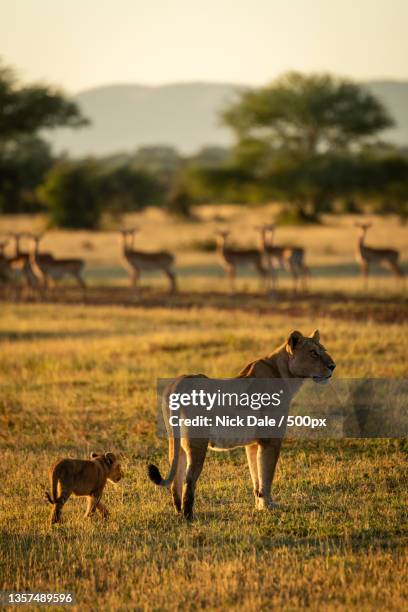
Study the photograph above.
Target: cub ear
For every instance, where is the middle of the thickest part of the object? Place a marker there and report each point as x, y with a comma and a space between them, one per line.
294, 338
316, 335
93, 455
110, 458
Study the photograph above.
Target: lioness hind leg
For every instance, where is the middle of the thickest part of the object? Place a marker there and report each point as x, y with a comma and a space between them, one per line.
195, 462
267, 458
251, 453
177, 485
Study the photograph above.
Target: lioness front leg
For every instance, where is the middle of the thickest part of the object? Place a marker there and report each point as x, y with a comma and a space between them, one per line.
267, 458
251, 453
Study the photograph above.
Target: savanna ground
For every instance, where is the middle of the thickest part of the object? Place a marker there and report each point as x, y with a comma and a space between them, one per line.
81, 377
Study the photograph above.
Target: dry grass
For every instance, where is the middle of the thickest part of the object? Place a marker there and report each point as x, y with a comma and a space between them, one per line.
82, 378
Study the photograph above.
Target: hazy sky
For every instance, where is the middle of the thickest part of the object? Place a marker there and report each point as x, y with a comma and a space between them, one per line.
82, 43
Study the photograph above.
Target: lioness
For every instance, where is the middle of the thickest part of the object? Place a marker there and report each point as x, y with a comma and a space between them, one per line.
82, 477
300, 357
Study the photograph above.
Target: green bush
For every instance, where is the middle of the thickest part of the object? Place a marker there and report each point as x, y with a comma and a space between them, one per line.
71, 194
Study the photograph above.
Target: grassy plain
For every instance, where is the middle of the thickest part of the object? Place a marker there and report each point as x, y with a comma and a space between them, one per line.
81, 377
329, 248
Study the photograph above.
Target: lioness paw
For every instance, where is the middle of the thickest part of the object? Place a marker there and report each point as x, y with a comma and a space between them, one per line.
266, 504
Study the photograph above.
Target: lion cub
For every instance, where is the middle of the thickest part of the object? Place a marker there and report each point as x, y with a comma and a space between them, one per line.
82, 477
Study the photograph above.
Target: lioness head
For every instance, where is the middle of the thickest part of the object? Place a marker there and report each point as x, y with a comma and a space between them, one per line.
308, 358
112, 462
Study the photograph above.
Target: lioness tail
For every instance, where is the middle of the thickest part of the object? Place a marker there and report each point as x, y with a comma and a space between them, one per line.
154, 473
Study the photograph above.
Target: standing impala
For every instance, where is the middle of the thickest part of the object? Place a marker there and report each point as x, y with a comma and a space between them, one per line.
138, 261
4, 263
289, 258
19, 265
233, 258
49, 269
366, 255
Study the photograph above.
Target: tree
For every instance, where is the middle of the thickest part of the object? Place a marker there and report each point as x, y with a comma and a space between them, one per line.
23, 166
300, 139
71, 193
125, 189
24, 110
308, 113
179, 200
24, 156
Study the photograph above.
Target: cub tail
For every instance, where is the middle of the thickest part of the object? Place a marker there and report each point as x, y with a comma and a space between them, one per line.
48, 497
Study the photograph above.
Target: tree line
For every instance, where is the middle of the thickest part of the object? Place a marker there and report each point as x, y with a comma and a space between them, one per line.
312, 141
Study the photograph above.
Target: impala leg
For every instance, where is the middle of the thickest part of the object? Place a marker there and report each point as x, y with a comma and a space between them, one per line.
305, 278
231, 272
273, 272
268, 270
301, 277
365, 270
262, 274
80, 281
172, 278
397, 270
295, 277
134, 279
45, 286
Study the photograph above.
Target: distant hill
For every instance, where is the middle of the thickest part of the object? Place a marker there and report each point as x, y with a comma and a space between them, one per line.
394, 94
183, 115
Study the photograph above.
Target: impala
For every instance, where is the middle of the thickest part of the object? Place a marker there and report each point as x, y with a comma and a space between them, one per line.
137, 262
19, 265
366, 255
233, 258
49, 269
287, 257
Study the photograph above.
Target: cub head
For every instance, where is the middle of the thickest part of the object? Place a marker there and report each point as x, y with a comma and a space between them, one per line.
308, 358
112, 462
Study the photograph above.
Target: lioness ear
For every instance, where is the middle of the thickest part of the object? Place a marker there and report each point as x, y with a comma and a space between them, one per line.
93, 455
110, 458
316, 335
294, 339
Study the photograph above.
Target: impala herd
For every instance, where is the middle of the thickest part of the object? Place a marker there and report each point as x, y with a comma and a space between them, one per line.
40, 271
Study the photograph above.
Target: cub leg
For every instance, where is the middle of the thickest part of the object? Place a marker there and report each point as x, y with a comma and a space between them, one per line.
251, 453
93, 501
59, 504
267, 458
103, 511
